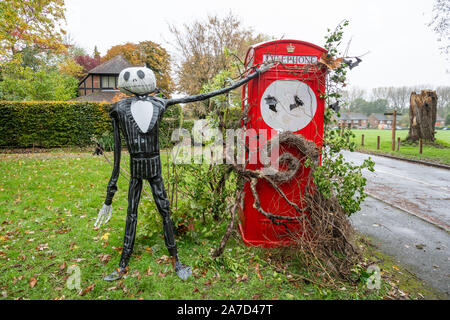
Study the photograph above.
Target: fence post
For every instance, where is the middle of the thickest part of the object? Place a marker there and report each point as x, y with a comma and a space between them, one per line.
398, 144
420, 146
394, 125
378, 142
362, 140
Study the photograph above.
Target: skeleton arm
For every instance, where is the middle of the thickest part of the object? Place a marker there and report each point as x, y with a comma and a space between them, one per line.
214, 93
105, 212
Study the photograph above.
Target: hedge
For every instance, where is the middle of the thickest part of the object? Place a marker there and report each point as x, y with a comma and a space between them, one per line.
63, 123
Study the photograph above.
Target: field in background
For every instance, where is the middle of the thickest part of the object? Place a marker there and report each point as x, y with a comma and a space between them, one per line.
439, 152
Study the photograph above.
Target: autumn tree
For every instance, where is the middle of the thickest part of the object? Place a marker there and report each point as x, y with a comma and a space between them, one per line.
29, 22
71, 68
207, 47
96, 53
147, 53
87, 62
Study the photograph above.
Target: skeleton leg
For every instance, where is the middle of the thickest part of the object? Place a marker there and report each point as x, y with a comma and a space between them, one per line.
134, 194
162, 203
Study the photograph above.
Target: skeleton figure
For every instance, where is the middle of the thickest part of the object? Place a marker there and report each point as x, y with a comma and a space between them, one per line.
138, 118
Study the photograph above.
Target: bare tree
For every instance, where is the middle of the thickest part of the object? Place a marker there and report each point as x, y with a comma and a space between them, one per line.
348, 96
202, 49
440, 23
443, 103
381, 93
398, 97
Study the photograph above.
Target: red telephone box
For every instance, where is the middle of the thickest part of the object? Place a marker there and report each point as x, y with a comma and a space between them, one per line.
285, 98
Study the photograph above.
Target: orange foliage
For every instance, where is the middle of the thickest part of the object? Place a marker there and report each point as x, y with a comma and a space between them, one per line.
147, 52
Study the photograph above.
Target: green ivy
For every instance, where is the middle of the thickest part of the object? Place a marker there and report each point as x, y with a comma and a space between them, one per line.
337, 177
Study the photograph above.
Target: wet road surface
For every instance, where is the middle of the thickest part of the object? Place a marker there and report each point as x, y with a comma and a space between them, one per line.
408, 216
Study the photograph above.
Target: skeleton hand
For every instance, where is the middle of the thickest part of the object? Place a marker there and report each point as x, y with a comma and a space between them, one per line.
103, 215
264, 67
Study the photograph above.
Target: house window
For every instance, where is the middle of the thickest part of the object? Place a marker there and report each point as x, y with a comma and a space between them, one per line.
109, 82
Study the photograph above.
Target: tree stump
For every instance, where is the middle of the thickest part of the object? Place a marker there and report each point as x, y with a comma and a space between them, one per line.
422, 115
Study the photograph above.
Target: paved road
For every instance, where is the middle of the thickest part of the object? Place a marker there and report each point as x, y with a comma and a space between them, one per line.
408, 216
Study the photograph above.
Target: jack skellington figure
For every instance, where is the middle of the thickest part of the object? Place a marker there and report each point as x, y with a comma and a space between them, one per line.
138, 118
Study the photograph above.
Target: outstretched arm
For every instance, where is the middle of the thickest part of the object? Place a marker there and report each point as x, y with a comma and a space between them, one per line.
112, 185
214, 93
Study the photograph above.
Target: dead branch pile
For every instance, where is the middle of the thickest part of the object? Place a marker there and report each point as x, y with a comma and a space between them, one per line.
327, 238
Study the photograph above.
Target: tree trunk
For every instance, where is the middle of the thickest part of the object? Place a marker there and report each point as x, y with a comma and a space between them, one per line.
422, 115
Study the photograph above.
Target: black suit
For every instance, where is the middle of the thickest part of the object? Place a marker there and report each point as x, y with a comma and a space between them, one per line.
145, 162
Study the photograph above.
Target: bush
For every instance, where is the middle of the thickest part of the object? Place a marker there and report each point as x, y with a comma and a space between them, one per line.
56, 123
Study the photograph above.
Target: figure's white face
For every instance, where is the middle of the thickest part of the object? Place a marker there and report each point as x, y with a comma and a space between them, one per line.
137, 80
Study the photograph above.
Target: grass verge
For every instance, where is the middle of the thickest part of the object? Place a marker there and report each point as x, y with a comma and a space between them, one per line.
48, 206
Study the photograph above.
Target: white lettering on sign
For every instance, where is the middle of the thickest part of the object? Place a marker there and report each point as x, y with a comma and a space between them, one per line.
289, 59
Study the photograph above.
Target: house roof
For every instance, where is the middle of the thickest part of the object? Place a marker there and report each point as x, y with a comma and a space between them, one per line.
343, 116
112, 66
352, 116
98, 96
381, 116
357, 116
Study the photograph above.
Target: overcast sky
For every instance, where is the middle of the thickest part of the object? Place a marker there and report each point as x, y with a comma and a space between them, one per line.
403, 50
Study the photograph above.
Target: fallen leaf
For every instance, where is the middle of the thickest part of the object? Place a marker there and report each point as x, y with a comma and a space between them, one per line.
105, 258
42, 246
163, 259
149, 250
258, 272
161, 274
87, 289
32, 282
63, 266
105, 236
62, 231
195, 290
149, 272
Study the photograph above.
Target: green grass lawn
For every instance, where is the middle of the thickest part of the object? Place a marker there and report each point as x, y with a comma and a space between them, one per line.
432, 153
48, 207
